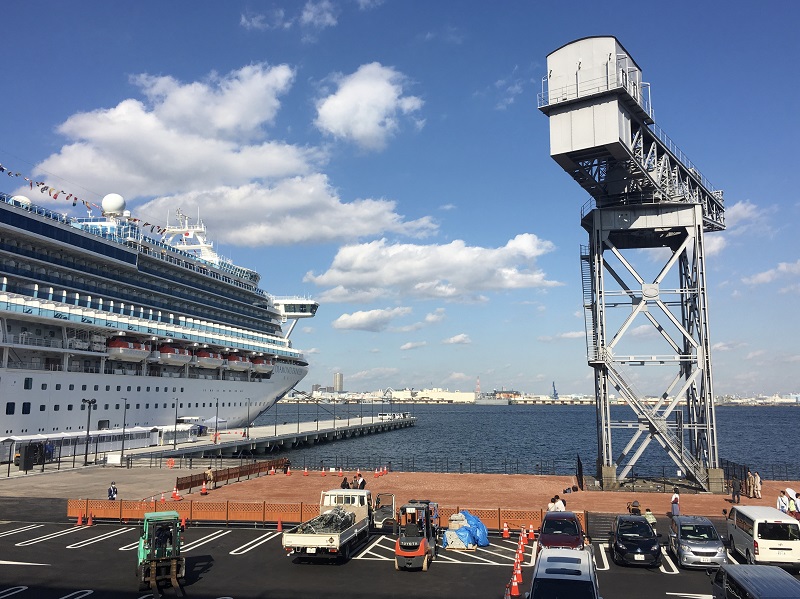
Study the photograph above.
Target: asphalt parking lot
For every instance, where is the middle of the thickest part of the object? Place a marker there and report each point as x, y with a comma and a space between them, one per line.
60, 561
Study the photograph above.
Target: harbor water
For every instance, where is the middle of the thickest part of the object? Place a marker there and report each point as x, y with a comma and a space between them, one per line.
527, 439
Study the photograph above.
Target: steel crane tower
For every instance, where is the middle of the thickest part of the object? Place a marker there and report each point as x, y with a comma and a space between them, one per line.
643, 269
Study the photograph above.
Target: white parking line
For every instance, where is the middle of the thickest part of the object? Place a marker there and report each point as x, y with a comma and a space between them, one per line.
22, 529
129, 547
254, 543
733, 559
77, 594
52, 535
368, 549
669, 561
601, 550
102, 537
206, 539
12, 591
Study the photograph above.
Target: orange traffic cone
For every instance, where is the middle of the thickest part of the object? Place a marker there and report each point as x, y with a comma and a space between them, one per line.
162, 497
174, 492
341, 474
514, 588
204, 490
322, 471
280, 525
288, 471
80, 520
524, 537
507, 594
376, 473
517, 572
531, 534
305, 471
506, 533
272, 470
89, 521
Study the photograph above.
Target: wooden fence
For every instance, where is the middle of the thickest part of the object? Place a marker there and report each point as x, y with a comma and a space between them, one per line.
226, 475
262, 513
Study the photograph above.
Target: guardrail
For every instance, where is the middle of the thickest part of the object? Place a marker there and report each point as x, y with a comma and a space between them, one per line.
225, 475
263, 513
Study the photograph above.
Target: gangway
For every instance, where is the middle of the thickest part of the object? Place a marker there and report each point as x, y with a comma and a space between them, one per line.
648, 202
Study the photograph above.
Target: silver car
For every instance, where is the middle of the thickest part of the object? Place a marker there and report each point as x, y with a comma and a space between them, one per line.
694, 542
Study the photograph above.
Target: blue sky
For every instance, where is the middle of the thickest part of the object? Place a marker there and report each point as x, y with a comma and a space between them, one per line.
388, 159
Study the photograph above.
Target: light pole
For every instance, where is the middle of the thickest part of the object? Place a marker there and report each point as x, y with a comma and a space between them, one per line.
247, 424
175, 431
89, 403
124, 419
216, 424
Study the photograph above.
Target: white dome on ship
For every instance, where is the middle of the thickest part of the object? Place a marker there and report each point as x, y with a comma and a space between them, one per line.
22, 200
113, 203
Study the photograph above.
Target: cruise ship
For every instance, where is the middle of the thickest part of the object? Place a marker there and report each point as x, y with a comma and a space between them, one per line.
144, 323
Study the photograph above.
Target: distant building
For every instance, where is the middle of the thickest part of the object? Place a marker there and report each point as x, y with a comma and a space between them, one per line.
338, 382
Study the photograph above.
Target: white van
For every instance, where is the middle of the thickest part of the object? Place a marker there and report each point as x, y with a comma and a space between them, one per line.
764, 535
754, 582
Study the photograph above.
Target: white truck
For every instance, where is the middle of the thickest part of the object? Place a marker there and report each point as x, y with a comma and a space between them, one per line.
344, 521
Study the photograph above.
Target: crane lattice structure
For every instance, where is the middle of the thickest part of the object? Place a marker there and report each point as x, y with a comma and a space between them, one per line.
643, 270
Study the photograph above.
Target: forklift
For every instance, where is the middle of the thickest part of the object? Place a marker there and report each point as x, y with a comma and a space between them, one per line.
159, 553
416, 545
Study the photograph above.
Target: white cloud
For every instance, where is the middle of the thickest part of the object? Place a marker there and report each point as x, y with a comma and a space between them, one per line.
437, 315
370, 320
461, 339
783, 269
373, 374
714, 243
413, 345
318, 15
567, 335
755, 354
273, 19
455, 271
458, 377
368, 4
367, 106
303, 209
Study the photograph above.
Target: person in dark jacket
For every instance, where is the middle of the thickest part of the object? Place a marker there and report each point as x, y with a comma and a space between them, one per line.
736, 490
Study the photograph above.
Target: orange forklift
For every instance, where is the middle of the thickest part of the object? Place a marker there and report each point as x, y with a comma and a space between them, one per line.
419, 529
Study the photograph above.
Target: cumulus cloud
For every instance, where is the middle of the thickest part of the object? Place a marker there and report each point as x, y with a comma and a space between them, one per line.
367, 106
462, 339
273, 19
458, 377
318, 15
567, 335
413, 345
783, 269
454, 271
370, 320
373, 374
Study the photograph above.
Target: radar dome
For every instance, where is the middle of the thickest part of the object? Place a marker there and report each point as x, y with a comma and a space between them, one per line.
113, 203
21, 200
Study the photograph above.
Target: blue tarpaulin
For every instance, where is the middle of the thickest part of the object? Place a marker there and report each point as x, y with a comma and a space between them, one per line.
474, 533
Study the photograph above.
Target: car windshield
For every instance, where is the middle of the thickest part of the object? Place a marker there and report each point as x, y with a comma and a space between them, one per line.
559, 527
635, 530
779, 531
698, 532
558, 588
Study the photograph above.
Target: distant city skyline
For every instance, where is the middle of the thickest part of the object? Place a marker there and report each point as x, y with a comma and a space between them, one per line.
388, 159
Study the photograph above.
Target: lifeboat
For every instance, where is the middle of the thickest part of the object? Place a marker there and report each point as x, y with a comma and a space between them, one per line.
171, 354
127, 350
238, 362
263, 365
208, 359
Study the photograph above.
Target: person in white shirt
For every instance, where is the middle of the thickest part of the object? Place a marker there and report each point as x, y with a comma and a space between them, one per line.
783, 502
676, 503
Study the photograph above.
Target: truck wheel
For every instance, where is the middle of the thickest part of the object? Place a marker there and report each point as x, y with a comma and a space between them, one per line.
346, 554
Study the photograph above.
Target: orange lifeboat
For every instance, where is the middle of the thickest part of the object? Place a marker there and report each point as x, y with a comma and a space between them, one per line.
238, 362
127, 350
172, 354
262, 365
208, 359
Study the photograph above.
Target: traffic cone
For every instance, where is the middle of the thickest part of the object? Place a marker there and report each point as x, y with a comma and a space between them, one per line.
531, 534
376, 473
174, 492
517, 571
514, 588
288, 471
204, 490
322, 471
272, 470
280, 525
162, 497
305, 471
385, 470
89, 521
507, 594
80, 520
524, 536
506, 533
341, 474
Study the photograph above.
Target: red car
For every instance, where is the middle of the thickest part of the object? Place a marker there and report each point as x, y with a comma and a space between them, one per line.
560, 529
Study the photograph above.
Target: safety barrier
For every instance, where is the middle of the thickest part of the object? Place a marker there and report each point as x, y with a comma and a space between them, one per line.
267, 514
225, 475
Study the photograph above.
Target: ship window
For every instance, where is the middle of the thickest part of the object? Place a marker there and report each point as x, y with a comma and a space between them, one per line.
38, 332
157, 389
26, 407
42, 407
181, 406
138, 389
105, 406
129, 387
83, 387
44, 386
148, 389
56, 408
108, 388
181, 389
120, 388
71, 387
137, 406
174, 389
28, 382
116, 406
9, 408
147, 406
69, 407
83, 407
97, 387
58, 386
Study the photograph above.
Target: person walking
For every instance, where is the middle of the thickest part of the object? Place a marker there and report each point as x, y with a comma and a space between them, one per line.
757, 485
749, 485
783, 502
676, 502
209, 477
736, 490
112, 491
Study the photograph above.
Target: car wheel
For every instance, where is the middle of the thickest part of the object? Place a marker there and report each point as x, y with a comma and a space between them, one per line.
614, 557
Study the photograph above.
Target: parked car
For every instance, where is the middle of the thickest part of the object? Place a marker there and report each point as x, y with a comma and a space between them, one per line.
754, 582
694, 542
564, 573
560, 529
764, 535
633, 541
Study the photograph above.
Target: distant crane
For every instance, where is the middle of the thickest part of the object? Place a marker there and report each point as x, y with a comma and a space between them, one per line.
555, 393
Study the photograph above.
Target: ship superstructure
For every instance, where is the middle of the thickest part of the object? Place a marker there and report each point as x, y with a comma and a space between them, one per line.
147, 320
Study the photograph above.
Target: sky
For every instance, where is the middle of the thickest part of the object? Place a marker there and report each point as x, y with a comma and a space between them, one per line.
387, 158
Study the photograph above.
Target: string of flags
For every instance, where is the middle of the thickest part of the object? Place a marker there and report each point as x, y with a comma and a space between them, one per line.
54, 193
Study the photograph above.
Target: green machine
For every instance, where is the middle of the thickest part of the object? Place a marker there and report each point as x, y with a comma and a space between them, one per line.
160, 550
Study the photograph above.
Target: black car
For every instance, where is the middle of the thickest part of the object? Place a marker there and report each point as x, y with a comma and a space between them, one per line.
634, 542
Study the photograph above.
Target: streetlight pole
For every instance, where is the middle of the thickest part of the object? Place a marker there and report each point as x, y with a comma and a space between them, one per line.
124, 419
175, 431
247, 424
89, 403
216, 424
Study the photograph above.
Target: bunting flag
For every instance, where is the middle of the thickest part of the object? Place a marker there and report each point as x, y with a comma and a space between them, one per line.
49, 190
